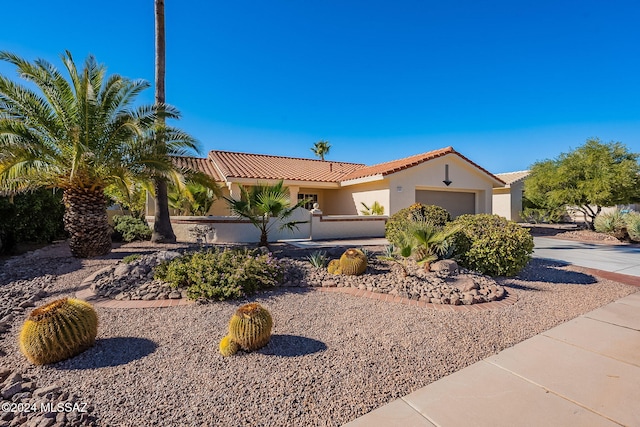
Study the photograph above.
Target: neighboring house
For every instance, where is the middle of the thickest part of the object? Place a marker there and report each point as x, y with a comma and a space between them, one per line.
441, 177
507, 201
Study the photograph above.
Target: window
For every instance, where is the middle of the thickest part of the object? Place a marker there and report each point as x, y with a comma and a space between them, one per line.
313, 198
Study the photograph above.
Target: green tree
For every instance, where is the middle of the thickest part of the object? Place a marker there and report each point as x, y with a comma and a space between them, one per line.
588, 178
261, 202
80, 135
321, 148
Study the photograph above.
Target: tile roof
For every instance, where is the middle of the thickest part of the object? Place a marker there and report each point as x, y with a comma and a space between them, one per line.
511, 177
199, 164
262, 166
394, 166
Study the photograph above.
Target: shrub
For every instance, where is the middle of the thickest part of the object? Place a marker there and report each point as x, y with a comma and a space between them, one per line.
131, 258
632, 221
491, 245
612, 223
400, 221
31, 217
221, 275
131, 228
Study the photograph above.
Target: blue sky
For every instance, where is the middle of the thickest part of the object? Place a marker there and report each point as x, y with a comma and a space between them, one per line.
504, 82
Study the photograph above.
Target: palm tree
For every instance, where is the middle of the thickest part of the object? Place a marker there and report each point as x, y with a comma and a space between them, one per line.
261, 202
81, 135
321, 148
162, 230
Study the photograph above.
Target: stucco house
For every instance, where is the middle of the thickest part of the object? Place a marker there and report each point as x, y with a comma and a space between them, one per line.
507, 200
442, 177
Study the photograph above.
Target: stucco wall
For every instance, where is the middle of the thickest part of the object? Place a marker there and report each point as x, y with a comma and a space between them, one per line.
346, 200
502, 202
429, 176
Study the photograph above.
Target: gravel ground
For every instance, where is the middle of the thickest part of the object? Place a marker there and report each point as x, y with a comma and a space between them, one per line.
331, 359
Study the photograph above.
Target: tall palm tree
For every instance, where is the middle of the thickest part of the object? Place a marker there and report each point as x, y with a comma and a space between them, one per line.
81, 135
261, 202
162, 230
321, 148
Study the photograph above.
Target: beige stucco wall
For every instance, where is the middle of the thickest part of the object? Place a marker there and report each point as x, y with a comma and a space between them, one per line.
429, 176
502, 202
346, 200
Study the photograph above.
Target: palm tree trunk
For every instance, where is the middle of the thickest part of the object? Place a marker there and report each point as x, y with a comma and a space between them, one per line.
85, 219
162, 230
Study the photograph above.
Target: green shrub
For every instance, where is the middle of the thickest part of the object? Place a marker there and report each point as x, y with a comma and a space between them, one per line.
632, 221
31, 217
131, 228
612, 223
401, 221
130, 258
491, 245
221, 275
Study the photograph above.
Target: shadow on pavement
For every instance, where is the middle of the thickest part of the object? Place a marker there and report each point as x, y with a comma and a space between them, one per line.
292, 346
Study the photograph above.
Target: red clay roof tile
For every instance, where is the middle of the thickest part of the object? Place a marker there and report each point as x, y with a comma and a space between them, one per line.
262, 166
199, 164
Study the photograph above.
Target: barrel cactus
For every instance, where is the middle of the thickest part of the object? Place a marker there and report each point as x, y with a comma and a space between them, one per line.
353, 262
334, 267
250, 327
58, 330
228, 347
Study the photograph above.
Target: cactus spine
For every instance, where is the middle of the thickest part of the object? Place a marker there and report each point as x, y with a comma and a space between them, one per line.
228, 347
250, 326
353, 262
58, 330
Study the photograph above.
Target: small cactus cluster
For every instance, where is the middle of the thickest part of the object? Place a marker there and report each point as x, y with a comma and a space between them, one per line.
352, 262
59, 330
249, 329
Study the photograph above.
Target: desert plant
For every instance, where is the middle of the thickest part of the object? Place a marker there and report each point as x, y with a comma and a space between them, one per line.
58, 330
612, 223
334, 267
375, 209
261, 202
401, 220
632, 221
81, 134
250, 327
431, 242
131, 258
228, 347
353, 262
491, 245
318, 259
131, 228
221, 275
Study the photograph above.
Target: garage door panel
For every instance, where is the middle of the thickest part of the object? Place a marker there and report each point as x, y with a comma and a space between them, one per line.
457, 203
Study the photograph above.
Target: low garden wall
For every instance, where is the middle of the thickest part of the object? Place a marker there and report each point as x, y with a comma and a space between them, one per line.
229, 229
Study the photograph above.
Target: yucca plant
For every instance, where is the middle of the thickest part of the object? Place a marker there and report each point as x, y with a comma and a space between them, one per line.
81, 135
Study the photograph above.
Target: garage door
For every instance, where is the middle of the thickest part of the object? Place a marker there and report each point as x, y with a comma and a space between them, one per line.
457, 203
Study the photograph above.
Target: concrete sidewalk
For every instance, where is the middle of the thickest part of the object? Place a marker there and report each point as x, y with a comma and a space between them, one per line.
615, 258
585, 372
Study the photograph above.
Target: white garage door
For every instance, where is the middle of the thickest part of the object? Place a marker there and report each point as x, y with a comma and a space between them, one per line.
457, 203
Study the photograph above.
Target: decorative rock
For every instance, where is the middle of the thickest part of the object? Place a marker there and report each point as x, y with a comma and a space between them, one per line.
175, 295
445, 267
44, 390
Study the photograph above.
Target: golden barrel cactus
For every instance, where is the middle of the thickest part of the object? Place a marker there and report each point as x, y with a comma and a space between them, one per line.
353, 262
228, 347
334, 267
58, 330
250, 326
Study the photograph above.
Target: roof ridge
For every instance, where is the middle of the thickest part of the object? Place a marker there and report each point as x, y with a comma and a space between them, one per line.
286, 157
448, 149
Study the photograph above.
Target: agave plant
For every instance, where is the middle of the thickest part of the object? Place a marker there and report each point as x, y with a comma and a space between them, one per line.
81, 135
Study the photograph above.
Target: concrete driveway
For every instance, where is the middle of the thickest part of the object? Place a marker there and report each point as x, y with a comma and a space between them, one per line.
615, 258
